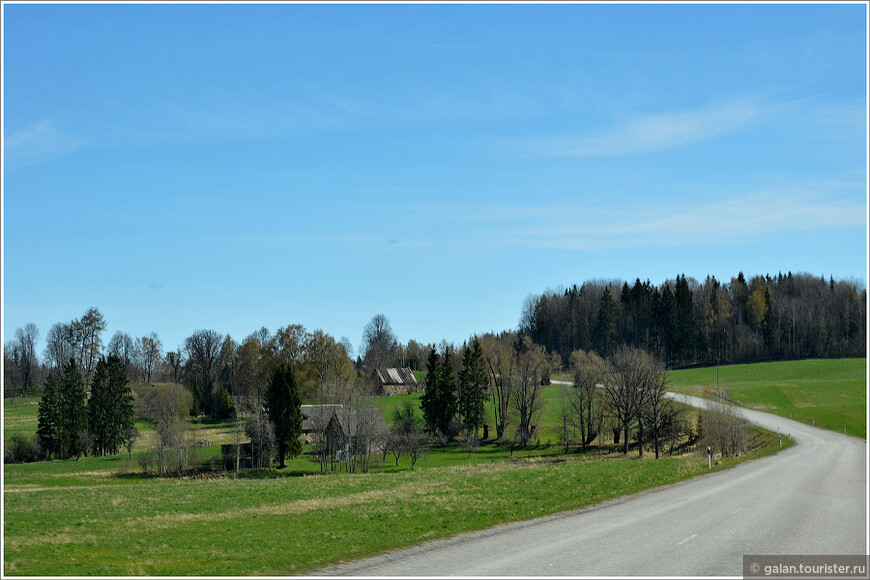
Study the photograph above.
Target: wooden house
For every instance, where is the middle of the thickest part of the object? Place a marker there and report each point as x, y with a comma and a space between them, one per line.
315, 418
393, 381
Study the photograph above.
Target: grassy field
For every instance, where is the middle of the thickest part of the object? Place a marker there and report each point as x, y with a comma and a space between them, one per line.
99, 516
833, 393
81, 518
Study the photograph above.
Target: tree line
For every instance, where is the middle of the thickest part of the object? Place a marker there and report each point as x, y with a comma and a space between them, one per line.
684, 322
210, 374
622, 396
615, 338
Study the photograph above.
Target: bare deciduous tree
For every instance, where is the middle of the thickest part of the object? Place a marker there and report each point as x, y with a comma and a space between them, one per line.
123, 347
58, 346
87, 339
203, 349
587, 400
379, 344
725, 429
623, 388
497, 357
26, 339
529, 368
150, 351
174, 361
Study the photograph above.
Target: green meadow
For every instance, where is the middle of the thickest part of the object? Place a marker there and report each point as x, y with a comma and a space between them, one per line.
84, 518
830, 393
100, 516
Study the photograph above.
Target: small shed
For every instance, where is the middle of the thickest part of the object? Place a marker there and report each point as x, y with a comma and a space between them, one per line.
393, 381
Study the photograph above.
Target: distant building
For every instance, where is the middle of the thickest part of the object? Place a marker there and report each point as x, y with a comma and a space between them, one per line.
393, 381
315, 418
355, 431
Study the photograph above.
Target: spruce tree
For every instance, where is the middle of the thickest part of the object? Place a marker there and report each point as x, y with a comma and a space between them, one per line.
75, 408
63, 412
439, 403
606, 325
429, 400
49, 425
99, 408
684, 337
447, 402
110, 408
283, 403
472, 386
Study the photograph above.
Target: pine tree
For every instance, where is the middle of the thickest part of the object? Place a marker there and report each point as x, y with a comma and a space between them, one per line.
283, 403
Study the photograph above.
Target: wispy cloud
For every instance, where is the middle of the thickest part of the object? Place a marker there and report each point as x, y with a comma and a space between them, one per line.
649, 133
597, 224
36, 144
735, 221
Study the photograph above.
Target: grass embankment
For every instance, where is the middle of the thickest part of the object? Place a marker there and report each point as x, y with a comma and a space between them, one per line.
831, 393
81, 518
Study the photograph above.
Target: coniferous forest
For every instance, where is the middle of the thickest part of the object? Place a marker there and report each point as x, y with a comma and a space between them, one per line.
685, 322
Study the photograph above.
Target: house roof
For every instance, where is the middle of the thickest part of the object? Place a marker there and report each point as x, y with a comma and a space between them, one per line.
316, 417
370, 420
402, 376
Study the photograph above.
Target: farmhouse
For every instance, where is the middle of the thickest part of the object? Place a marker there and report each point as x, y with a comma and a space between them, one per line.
393, 381
315, 418
355, 431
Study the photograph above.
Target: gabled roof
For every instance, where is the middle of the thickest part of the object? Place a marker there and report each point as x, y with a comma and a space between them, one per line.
394, 376
371, 420
316, 417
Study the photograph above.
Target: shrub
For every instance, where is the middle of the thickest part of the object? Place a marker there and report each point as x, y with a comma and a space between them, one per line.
22, 449
725, 430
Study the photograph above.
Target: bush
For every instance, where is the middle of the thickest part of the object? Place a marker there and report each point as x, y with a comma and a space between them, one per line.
21, 449
725, 430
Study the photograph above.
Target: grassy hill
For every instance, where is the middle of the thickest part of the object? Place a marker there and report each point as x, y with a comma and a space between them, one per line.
833, 393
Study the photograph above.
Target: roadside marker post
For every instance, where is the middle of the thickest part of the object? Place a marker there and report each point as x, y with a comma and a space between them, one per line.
709, 458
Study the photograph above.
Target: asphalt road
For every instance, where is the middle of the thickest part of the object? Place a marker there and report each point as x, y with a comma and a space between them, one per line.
809, 499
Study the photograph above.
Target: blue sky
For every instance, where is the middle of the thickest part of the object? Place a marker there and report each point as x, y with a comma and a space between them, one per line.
227, 167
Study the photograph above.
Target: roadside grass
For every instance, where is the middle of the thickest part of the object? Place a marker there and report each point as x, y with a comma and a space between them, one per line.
90, 524
832, 392
100, 516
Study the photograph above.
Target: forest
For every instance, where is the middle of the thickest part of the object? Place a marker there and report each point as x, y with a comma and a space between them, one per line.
687, 323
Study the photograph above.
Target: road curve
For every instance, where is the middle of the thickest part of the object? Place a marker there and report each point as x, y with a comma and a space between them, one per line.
808, 499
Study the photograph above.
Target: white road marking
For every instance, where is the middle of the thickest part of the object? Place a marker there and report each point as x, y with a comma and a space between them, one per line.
684, 540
